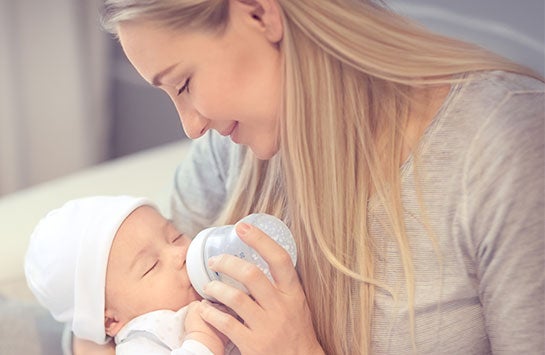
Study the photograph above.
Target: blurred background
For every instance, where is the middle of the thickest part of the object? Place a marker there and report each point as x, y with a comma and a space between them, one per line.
69, 99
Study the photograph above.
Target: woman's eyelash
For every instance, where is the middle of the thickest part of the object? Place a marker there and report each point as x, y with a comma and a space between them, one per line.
177, 237
184, 87
151, 268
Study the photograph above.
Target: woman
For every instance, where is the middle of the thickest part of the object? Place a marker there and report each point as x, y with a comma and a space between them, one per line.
408, 166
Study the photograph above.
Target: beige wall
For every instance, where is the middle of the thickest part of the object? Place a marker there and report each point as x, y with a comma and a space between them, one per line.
53, 116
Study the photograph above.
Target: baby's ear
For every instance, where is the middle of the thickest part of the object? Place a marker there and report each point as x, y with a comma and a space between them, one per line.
111, 323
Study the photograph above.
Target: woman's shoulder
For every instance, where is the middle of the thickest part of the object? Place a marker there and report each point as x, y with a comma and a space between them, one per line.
203, 180
490, 118
505, 101
214, 153
216, 145
502, 83
491, 100
500, 119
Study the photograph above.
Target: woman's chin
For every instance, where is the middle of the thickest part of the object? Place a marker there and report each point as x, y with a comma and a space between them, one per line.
265, 153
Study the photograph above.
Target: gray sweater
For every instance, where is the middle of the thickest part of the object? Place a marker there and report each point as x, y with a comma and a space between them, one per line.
481, 172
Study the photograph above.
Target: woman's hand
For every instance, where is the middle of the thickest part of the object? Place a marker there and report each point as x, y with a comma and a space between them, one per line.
276, 316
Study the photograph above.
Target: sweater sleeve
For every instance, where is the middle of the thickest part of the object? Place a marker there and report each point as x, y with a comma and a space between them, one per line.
203, 180
504, 201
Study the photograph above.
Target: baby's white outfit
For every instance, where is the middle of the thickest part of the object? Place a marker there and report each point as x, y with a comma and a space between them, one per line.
160, 332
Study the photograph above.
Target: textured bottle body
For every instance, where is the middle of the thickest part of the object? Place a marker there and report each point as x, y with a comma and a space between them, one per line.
224, 240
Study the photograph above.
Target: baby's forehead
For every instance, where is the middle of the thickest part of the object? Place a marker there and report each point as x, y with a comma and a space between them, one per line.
145, 217
145, 226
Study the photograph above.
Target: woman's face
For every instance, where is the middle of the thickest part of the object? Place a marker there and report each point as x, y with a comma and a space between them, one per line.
228, 82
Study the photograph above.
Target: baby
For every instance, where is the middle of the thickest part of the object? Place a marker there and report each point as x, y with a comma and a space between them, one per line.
114, 267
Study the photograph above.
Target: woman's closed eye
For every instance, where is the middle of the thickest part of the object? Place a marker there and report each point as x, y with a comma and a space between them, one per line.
151, 268
184, 87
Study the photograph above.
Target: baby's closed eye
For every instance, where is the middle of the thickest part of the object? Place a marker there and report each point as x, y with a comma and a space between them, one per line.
150, 268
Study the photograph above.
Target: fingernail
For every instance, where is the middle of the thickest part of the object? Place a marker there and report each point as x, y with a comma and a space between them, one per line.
243, 228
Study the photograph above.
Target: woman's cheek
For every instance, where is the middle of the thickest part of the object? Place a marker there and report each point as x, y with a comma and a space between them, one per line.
211, 103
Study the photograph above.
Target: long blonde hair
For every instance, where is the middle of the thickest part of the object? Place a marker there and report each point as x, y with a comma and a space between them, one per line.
350, 67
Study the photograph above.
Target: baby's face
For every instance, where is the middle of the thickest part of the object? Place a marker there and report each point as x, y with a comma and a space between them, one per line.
146, 267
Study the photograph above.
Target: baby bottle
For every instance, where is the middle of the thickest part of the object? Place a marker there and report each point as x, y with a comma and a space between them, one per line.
224, 240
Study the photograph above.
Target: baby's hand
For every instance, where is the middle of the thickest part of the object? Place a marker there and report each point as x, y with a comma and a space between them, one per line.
197, 329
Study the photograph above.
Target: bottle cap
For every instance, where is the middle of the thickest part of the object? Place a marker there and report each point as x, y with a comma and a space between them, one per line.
196, 263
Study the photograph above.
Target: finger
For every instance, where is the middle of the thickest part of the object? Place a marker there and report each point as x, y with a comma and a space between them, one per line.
278, 259
192, 309
193, 305
257, 283
224, 322
221, 307
238, 301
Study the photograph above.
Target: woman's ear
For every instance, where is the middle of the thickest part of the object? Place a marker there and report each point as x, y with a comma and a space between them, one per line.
112, 325
266, 14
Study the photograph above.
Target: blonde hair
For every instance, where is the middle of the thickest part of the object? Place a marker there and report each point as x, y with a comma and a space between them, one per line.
350, 68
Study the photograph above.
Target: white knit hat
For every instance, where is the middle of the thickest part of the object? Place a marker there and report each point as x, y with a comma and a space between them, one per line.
65, 264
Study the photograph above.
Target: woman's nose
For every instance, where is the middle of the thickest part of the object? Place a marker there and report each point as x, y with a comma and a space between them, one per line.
194, 124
